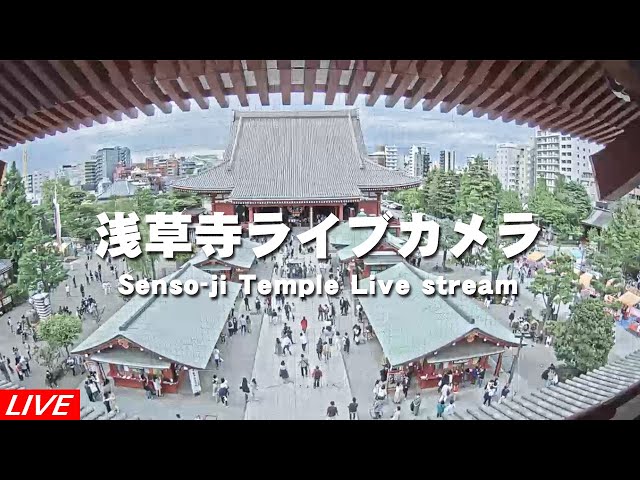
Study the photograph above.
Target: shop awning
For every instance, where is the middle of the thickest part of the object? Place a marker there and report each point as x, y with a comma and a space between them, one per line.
131, 358
629, 299
535, 256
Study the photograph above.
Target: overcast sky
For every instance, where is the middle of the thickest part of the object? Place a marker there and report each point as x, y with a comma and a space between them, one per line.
201, 131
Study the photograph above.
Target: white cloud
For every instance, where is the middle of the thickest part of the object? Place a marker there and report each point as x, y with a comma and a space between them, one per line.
200, 131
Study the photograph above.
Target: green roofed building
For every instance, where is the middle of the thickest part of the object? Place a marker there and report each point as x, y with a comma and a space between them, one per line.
434, 333
159, 335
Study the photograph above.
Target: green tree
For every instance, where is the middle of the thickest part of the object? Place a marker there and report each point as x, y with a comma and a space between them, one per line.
607, 263
586, 338
493, 257
440, 194
41, 264
145, 263
60, 330
49, 357
145, 203
508, 202
448, 238
478, 194
411, 201
16, 216
621, 239
557, 286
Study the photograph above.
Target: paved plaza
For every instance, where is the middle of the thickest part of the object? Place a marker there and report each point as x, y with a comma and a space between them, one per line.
253, 356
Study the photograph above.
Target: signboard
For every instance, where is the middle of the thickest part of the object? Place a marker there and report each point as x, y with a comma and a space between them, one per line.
194, 378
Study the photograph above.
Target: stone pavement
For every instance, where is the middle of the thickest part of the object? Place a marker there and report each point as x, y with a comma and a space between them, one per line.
298, 399
110, 303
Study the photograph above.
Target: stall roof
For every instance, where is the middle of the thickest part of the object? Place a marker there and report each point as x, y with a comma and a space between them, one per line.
346, 253
535, 256
383, 259
182, 329
463, 351
131, 358
599, 218
243, 255
412, 326
628, 298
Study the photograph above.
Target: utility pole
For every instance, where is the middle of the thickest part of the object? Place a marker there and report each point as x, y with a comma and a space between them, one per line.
516, 360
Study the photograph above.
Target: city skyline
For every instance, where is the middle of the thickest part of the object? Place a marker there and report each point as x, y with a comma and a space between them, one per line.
202, 131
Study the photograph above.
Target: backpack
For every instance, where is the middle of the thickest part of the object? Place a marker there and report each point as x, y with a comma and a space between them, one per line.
545, 374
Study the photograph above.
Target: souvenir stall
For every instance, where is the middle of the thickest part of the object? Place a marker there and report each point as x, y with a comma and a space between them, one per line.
432, 335
159, 336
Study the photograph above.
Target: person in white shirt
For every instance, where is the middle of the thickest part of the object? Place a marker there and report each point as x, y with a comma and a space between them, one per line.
396, 414
303, 341
286, 345
444, 392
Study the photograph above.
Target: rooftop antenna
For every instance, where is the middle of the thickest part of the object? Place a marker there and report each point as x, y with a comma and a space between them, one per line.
25, 161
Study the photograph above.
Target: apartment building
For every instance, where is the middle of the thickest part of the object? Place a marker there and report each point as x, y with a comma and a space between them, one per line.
417, 161
558, 154
390, 154
447, 161
514, 166
33, 183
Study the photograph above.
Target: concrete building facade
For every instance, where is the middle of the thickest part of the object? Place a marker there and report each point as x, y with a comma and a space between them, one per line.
447, 160
33, 183
390, 155
417, 161
514, 166
558, 154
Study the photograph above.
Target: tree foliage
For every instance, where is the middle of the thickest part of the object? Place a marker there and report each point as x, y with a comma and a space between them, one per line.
40, 266
60, 330
586, 338
440, 193
620, 241
78, 210
478, 194
607, 264
16, 216
564, 209
556, 286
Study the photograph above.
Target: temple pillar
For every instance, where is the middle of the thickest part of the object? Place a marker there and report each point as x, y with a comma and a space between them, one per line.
250, 214
378, 202
498, 366
340, 212
311, 216
213, 202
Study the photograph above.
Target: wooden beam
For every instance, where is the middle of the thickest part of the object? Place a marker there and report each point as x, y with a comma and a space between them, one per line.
259, 69
166, 75
189, 71
453, 76
143, 78
214, 81
356, 82
284, 67
406, 74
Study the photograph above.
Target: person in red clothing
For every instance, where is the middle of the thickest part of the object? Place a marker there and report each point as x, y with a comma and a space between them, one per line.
303, 324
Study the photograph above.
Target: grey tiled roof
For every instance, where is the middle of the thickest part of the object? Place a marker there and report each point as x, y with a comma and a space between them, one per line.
289, 156
5, 265
182, 329
243, 255
599, 218
412, 326
119, 188
569, 399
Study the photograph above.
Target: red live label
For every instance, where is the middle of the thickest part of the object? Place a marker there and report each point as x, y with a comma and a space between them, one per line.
39, 404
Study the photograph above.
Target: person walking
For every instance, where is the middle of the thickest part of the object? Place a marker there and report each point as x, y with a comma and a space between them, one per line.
440, 409
223, 392
347, 343
415, 404
319, 348
332, 411
284, 373
304, 366
397, 396
481, 373
317, 375
326, 350
450, 408
286, 345
504, 393
107, 401
245, 388
215, 385
254, 388
353, 409
304, 324
157, 385
396, 414
217, 358
488, 394
278, 349
67, 290
243, 325
82, 290
303, 341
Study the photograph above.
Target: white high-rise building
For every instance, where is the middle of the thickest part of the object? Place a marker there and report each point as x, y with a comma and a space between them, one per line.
416, 162
74, 173
515, 167
558, 154
390, 153
447, 160
33, 183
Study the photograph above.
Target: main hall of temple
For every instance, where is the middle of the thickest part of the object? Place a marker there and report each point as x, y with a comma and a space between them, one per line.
305, 164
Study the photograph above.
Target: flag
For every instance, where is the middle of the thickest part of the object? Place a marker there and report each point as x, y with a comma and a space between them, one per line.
56, 219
